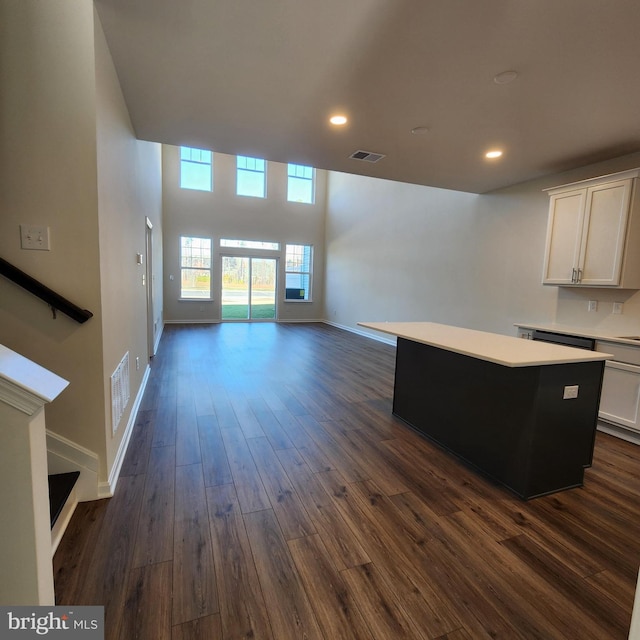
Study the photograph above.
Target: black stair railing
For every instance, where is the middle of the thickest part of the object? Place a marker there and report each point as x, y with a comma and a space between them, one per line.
53, 299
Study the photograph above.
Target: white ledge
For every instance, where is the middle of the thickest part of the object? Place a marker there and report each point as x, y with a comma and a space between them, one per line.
25, 385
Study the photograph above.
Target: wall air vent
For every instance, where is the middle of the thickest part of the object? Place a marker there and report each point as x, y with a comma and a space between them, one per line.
367, 156
120, 391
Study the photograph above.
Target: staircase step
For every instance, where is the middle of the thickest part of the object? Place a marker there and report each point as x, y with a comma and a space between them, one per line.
60, 486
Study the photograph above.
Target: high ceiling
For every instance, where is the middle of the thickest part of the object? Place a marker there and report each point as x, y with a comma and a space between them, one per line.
262, 77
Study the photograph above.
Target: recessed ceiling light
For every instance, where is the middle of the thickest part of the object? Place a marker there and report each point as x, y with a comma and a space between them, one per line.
338, 120
494, 153
419, 131
505, 77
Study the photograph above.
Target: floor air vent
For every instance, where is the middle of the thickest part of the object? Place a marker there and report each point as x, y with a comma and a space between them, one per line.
367, 156
119, 391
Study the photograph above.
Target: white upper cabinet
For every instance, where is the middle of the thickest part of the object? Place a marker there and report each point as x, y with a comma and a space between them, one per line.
592, 232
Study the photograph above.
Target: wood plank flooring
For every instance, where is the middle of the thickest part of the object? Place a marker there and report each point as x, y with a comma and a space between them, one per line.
268, 493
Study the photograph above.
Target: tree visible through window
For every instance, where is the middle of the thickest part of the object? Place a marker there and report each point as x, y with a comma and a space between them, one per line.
250, 180
300, 183
298, 267
196, 169
195, 267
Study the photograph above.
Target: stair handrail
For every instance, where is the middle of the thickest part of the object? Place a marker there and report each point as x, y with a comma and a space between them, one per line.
53, 299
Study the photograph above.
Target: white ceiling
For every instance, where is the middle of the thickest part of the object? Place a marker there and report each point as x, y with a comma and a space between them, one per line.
261, 77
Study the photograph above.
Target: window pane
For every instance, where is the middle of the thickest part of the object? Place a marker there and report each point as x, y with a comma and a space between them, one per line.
195, 283
195, 267
196, 252
300, 183
298, 272
249, 244
196, 169
250, 177
298, 257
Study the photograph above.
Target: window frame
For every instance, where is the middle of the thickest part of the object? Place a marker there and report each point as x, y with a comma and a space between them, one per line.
299, 272
253, 171
199, 268
199, 162
312, 180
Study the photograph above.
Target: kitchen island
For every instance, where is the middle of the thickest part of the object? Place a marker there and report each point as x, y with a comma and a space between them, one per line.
522, 412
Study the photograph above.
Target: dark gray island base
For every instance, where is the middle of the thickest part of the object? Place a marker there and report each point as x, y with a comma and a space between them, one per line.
510, 422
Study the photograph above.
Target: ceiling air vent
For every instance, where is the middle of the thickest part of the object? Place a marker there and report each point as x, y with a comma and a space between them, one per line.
367, 156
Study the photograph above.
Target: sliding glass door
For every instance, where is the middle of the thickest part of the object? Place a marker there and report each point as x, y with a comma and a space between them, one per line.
248, 288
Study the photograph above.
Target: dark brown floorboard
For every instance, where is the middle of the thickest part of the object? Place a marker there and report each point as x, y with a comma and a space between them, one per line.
268, 492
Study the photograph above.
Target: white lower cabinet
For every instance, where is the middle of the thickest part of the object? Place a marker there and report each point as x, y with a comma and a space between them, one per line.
620, 399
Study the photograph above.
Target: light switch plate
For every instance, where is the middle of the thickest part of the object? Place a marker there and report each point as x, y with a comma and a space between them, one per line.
34, 237
617, 307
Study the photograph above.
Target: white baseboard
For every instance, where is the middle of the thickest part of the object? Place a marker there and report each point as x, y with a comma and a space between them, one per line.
64, 456
360, 332
157, 341
192, 321
106, 489
619, 432
63, 519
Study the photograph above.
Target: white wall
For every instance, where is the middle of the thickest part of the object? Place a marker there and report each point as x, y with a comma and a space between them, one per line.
405, 252
69, 160
223, 214
48, 173
129, 192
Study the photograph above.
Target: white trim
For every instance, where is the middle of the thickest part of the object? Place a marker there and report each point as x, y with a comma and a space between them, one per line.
157, 342
64, 455
24, 384
365, 334
107, 489
619, 432
610, 177
63, 520
192, 321
300, 321
71, 451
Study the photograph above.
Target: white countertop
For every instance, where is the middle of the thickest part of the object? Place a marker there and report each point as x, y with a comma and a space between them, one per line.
581, 332
504, 350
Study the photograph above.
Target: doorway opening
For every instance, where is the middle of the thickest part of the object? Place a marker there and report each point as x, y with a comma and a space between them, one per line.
248, 288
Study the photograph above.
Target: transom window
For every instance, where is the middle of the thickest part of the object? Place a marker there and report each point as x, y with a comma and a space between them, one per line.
251, 177
300, 183
195, 268
298, 270
196, 169
250, 244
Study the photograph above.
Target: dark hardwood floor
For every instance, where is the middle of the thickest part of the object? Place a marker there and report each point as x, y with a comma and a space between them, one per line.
268, 492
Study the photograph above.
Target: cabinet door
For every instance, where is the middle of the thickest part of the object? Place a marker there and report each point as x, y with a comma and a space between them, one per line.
620, 398
564, 235
605, 225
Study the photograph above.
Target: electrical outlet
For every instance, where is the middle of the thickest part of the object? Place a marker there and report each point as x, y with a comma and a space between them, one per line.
593, 305
34, 237
570, 392
617, 307
137, 363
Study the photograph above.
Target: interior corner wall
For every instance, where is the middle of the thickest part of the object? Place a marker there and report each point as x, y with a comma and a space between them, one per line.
400, 252
129, 192
222, 214
48, 177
